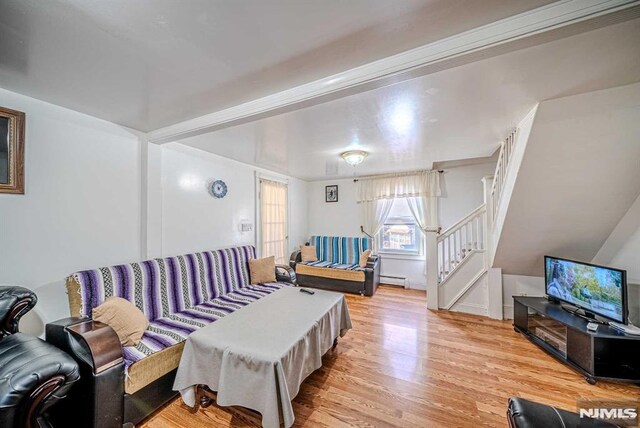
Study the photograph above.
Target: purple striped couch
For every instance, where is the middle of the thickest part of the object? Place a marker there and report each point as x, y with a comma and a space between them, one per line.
178, 295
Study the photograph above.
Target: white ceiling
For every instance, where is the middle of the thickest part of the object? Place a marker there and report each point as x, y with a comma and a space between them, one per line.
458, 113
147, 64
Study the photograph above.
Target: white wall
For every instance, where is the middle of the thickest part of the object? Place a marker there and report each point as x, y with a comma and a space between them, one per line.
81, 208
519, 285
342, 218
462, 192
622, 247
628, 258
622, 250
192, 220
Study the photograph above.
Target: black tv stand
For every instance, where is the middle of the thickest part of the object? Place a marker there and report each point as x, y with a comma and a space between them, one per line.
606, 354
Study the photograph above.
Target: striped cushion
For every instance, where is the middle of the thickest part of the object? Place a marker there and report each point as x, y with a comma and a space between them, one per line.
168, 331
163, 287
340, 249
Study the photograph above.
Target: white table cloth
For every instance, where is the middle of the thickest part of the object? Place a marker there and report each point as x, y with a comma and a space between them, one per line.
258, 356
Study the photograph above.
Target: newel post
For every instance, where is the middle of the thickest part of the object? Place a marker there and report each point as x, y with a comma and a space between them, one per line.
494, 275
432, 268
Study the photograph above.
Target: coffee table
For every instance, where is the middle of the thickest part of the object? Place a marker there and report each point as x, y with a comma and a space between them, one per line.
258, 356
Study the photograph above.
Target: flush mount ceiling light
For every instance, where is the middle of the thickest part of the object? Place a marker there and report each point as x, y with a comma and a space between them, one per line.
354, 157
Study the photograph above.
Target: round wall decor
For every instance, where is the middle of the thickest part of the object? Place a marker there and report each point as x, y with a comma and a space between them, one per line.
218, 189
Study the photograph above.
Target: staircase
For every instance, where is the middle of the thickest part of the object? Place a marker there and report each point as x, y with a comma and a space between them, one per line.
563, 181
463, 262
459, 242
502, 167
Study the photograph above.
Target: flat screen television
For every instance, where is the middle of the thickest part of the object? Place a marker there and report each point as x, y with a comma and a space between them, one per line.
595, 289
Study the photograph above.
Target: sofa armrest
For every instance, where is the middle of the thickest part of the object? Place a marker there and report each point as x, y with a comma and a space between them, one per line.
296, 257
373, 261
286, 273
372, 276
14, 303
91, 342
98, 399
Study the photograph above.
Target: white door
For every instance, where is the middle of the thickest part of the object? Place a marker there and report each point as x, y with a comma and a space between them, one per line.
273, 220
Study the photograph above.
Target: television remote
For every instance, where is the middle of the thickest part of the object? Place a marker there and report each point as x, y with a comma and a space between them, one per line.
592, 326
626, 328
304, 290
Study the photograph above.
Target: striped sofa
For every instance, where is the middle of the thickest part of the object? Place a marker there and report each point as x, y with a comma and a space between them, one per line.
178, 295
338, 266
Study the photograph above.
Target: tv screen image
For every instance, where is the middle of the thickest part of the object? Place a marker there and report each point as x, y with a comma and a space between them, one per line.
597, 289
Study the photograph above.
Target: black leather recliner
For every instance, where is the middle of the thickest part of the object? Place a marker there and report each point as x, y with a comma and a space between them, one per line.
34, 375
523, 413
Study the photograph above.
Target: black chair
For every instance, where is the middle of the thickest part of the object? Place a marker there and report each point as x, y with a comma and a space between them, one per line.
34, 375
523, 413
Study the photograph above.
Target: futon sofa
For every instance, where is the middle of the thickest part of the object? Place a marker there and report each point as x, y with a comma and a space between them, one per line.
123, 385
337, 267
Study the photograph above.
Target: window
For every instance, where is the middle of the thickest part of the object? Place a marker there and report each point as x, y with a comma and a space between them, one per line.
400, 233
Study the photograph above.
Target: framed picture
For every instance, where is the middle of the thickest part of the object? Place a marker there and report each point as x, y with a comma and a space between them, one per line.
331, 193
11, 151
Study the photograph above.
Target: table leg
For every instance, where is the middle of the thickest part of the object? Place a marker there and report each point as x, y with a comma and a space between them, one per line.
204, 398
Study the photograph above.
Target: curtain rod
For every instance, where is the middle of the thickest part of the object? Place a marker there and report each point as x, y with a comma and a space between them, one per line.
440, 171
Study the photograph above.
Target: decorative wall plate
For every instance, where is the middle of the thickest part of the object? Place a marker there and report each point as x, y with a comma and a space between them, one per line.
218, 189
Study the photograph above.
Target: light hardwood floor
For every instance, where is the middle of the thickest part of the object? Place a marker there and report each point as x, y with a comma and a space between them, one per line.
404, 366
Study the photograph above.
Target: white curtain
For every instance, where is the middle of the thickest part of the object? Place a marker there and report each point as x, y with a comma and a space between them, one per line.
273, 219
425, 211
375, 213
421, 189
419, 184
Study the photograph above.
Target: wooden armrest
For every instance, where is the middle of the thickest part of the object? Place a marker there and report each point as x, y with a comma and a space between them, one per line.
14, 303
288, 276
102, 342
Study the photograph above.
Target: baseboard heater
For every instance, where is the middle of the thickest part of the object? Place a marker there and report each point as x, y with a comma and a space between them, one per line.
394, 280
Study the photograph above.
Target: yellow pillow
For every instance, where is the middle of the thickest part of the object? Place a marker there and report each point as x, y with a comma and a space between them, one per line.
262, 270
364, 258
124, 318
308, 253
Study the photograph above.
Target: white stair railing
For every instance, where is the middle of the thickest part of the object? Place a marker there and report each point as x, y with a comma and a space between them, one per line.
460, 240
506, 150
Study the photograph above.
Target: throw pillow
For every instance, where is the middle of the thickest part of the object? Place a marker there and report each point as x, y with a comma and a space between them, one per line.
364, 258
308, 253
124, 318
262, 270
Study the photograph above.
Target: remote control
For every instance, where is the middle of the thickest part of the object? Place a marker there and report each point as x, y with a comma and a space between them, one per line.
592, 326
626, 328
304, 290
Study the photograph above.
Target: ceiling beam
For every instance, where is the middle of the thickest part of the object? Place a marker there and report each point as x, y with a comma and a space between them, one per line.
461, 48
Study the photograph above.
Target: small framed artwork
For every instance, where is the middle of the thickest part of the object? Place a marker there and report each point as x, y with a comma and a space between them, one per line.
331, 193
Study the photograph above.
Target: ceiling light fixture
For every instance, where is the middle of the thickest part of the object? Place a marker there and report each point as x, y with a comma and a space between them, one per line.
354, 157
